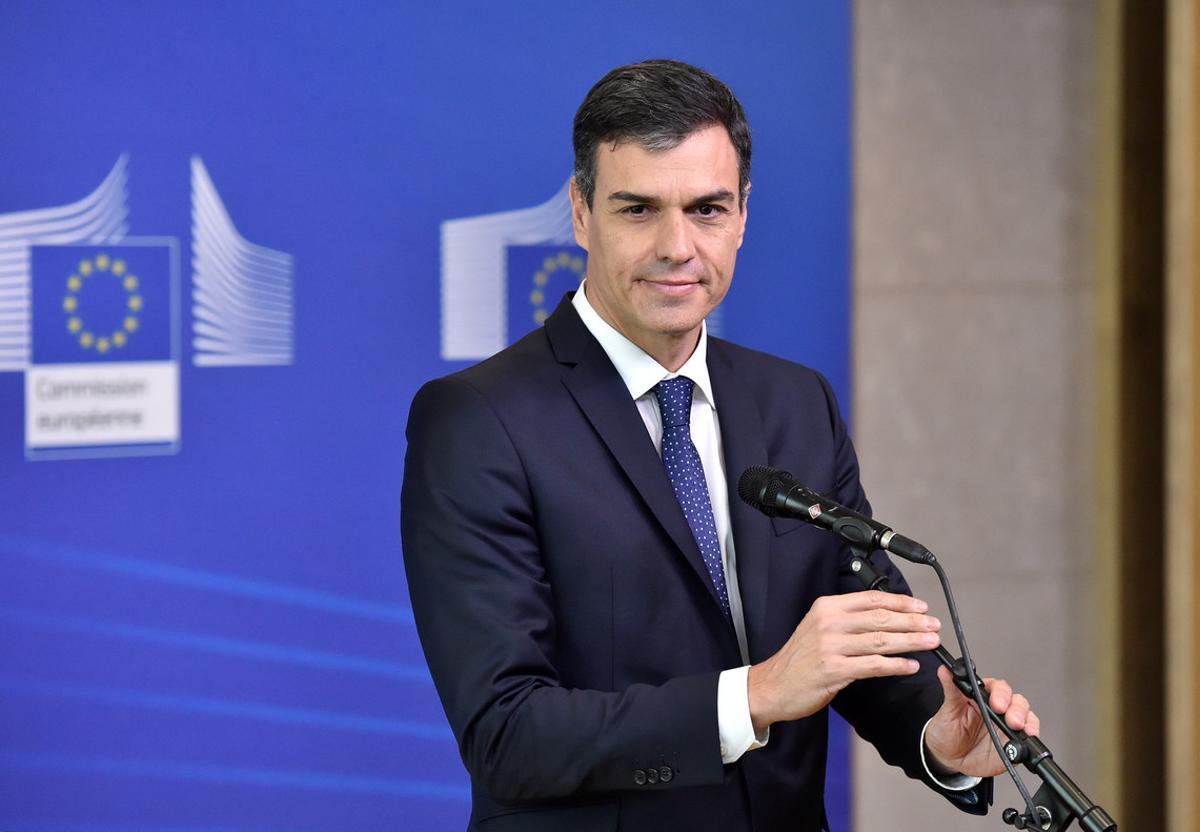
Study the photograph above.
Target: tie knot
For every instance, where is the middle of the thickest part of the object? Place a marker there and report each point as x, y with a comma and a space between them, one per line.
675, 400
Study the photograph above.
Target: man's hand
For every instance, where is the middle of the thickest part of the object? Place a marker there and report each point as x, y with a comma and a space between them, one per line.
841, 639
957, 738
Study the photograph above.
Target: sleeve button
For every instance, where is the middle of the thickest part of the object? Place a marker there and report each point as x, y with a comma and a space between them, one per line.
639, 777
665, 774
651, 776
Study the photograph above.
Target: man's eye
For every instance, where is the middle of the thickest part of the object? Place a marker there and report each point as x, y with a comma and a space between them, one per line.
636, 210
709, 210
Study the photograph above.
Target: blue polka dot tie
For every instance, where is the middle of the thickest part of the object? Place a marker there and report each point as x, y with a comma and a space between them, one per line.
686, 474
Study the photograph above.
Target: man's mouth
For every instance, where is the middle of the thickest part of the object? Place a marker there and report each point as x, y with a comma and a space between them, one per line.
672, 288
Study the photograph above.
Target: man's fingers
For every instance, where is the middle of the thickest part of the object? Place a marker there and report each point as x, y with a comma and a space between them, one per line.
873, 599
1017, 715
871, 667
999, 694
889, 621
1013, 706
886, 644
1033, 725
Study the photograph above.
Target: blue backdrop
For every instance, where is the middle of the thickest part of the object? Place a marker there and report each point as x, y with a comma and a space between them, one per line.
205, 623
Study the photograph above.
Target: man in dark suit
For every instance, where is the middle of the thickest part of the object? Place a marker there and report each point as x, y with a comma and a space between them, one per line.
617, 643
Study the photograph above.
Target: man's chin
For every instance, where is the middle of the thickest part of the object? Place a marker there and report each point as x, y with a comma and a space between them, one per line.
677, 325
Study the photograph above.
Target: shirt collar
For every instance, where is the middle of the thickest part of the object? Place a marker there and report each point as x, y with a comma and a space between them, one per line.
637, 369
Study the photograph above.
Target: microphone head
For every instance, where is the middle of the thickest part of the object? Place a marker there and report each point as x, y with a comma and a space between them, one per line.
759, 485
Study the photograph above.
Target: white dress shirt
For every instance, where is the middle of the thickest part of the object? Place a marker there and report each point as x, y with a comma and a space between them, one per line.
641, 373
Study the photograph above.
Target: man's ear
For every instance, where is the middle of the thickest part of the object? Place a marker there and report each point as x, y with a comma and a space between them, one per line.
745, 213
581, 215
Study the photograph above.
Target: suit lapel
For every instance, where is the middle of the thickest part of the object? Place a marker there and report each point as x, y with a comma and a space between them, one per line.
598, 390
743, 445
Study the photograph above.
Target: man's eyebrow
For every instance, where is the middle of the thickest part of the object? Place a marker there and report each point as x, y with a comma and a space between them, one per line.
720, 195
629, 196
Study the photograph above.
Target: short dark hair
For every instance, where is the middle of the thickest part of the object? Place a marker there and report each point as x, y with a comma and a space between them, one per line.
657, 104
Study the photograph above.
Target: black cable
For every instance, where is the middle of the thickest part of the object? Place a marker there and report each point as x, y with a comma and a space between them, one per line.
969, 668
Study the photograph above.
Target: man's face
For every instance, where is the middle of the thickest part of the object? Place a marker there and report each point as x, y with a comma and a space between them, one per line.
662, 236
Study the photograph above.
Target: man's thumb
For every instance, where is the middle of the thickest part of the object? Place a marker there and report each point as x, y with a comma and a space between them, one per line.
949, 689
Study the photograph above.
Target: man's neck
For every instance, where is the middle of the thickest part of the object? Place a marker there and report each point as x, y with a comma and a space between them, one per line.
671, 351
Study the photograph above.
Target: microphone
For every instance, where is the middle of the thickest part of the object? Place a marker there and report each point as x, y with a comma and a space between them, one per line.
777, 494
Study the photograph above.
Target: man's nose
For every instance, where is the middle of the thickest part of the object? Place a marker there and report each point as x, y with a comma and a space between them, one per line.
675, 242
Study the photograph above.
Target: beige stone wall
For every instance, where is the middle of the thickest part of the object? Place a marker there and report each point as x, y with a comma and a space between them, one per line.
974, 296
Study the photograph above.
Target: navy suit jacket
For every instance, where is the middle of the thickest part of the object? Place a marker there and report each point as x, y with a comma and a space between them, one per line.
570, 626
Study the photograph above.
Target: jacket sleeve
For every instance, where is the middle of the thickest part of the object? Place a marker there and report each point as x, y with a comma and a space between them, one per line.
485, 613
891, 712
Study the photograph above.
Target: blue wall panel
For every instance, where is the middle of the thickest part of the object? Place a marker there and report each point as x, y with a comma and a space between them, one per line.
213, 632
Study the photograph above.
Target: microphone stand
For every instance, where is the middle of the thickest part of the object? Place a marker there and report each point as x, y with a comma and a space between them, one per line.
1059, 801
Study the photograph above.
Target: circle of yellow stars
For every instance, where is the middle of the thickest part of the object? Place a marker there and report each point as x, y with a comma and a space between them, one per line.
91, 269
564, 260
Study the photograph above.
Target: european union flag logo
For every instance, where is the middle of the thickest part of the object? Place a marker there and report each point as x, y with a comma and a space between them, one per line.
538, 276
101, 303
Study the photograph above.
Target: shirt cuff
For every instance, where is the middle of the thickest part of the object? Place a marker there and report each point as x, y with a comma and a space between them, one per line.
949, 782
733, 716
